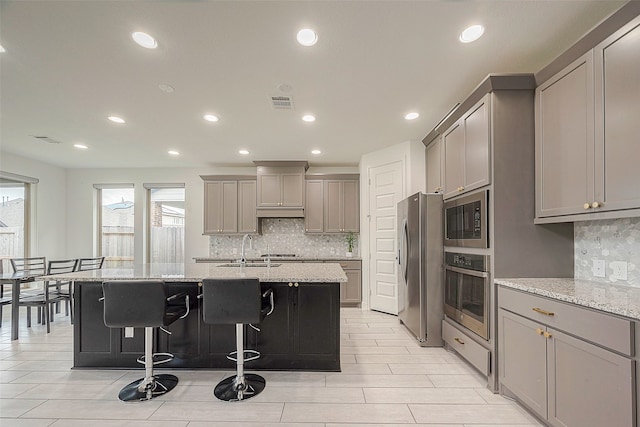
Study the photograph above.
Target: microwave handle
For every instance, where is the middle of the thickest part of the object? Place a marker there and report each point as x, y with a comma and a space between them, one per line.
483, 274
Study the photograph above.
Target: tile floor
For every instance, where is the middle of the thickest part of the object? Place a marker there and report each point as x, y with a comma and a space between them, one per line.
386, 380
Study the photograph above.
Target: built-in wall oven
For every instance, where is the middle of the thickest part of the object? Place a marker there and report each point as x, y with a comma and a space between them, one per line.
466, 221
467, 298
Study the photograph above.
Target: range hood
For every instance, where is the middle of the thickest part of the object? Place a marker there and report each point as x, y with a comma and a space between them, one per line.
280, 213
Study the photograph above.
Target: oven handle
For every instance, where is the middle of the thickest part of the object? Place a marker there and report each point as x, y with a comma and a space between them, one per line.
483, 274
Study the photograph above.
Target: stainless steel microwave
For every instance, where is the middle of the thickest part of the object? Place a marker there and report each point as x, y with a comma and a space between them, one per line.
466, 221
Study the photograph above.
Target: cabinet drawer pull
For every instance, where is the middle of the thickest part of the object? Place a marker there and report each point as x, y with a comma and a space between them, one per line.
541, 311
586, 205
539, 331
459, 340
546, 334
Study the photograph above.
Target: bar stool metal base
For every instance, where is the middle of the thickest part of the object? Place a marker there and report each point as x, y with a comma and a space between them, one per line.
234, 389
145, 389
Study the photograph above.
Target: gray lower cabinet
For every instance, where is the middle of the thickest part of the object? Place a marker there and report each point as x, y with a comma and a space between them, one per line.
467, 151
569, 365
351, 291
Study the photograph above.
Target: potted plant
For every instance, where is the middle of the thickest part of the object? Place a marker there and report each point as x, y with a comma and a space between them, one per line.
351, 239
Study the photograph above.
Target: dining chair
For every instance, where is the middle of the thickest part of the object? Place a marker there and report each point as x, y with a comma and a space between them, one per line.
61, 290
36, 266
90, 263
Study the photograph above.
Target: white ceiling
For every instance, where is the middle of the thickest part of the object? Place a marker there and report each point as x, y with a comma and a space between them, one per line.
70, 64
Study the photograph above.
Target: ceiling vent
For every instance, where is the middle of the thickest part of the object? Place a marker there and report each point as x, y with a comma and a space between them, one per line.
282, 102
46, 139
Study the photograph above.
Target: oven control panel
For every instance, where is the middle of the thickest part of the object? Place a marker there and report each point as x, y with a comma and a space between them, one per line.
468, 261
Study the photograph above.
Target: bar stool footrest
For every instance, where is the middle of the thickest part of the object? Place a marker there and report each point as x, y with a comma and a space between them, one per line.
167, 357
249, 355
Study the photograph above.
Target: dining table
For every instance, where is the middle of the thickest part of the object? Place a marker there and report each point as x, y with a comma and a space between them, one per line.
17, 280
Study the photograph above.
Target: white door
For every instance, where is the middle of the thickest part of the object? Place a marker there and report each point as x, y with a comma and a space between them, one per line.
385, 191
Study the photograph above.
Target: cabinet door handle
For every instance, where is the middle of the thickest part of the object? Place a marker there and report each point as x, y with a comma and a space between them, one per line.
539, 331
541, 311
596, 205
459, 340
290, 284
547, 334
295, 284
437, 189
586, 206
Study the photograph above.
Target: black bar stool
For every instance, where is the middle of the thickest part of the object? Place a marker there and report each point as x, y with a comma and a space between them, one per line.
143, 304
239, 302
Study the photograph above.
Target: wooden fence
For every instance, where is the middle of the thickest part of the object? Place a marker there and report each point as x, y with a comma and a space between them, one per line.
167, 245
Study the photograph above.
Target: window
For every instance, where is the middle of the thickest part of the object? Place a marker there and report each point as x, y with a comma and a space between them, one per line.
116, 225
165, 219
15, 193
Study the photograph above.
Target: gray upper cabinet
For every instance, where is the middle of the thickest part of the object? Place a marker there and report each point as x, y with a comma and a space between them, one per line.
280, 186
587, 130
247, 221
341, 206
467, 151
434, 166
314, 206
617, 119
221, 207
229, 205
564, 140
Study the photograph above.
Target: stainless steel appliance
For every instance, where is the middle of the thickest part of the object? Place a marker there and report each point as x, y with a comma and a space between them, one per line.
420, 279
466, 221
466, 291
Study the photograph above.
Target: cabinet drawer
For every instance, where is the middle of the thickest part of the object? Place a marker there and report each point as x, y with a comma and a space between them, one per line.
603, 329
348, 265
473, 352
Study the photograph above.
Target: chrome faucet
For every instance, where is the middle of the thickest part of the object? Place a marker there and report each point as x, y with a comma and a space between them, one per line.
243, 259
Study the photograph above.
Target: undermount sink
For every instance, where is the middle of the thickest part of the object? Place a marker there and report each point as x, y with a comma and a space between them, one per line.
249, 264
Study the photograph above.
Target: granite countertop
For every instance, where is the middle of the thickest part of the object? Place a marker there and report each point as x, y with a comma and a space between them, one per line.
608, 297
279, 258
188, 272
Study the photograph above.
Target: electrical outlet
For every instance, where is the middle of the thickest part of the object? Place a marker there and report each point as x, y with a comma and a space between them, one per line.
619, 270
598, 269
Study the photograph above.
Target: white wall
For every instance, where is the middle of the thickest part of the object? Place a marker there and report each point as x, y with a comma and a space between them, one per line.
49, 204
412, 156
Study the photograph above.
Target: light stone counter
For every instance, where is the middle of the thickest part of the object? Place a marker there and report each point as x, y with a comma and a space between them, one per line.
285, 272
279, 258
616, 299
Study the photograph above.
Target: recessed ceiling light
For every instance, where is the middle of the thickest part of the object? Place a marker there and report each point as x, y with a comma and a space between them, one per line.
471, 34
174, 152
316, 152
80, 146
243, 152
144, 40
211, 118
411, 116
307, 37
2, 49
116, 119
309, 118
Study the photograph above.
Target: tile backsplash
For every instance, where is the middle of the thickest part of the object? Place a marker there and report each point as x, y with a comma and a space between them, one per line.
284, 236
608, 240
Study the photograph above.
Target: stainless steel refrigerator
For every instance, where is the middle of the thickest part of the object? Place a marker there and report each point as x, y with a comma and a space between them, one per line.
420, 274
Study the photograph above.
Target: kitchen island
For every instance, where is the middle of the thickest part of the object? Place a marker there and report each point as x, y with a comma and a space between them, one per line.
302, 333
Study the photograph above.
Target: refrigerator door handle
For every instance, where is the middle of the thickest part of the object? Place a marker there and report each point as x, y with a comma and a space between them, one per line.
404, 245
